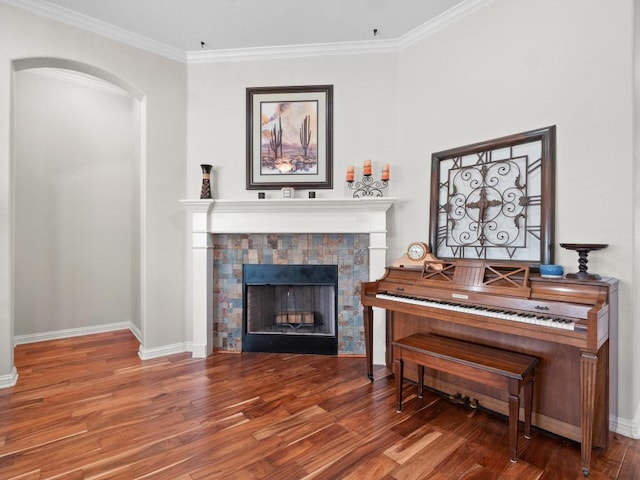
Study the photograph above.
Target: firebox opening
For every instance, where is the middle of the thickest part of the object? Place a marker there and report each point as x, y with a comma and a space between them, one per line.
290, 308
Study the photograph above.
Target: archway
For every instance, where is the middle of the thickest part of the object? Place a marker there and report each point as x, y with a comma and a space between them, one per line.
78, 181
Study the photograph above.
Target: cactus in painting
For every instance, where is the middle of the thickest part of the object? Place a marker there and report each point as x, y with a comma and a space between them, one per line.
275, 142
305, 135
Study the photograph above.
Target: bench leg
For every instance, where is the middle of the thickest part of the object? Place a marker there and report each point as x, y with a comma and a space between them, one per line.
528, 401
420, 381
398, 372
514, 414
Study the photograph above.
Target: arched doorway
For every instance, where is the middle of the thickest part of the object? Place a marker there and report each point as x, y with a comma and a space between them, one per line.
79, 156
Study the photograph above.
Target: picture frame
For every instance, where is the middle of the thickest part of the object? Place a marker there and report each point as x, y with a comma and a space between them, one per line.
289, 137
495, 200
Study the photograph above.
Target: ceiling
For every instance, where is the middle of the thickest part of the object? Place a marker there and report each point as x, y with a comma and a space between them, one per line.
177, 28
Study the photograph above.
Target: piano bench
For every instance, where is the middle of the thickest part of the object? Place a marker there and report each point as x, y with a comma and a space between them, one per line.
479, 363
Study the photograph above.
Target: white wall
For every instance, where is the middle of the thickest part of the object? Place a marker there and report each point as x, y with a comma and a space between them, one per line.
635, 175
76, 170
365, 115
515, 66
162, 86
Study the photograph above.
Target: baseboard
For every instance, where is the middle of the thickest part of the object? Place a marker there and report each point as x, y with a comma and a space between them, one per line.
136, 332
9, 380
626, 427
143, 353
74, 332
150, 353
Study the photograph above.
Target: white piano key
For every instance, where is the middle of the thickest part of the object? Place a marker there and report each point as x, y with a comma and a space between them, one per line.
542, 320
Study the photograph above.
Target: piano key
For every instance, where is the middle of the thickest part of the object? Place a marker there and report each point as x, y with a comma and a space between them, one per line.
523, 317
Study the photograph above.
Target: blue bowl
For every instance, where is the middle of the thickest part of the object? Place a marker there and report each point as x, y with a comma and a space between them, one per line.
551, 271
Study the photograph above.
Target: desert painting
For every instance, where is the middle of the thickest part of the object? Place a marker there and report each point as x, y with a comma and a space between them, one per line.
289, 138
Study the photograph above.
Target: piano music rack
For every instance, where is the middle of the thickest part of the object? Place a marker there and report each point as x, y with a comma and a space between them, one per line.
498, 278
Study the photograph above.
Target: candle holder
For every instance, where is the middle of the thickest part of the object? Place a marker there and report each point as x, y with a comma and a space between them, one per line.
368, 187
583, 250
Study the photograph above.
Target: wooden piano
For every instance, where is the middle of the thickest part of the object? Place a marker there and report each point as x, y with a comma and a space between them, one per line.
565, 323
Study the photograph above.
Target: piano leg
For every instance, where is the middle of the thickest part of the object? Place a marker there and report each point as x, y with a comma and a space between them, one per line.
588, 367
367, 315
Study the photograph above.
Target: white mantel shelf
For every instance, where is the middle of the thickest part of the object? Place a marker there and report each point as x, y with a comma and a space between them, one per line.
279, 215
292, 203
295, 215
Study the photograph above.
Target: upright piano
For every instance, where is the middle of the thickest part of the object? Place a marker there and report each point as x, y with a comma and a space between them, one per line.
564, 322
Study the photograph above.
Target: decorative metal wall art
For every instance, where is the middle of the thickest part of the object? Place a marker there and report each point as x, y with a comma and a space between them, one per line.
494, 200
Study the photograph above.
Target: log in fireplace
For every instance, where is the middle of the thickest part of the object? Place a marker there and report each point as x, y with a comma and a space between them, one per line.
290, 308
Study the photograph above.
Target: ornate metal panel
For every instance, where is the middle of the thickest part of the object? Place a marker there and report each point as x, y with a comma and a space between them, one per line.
494, 200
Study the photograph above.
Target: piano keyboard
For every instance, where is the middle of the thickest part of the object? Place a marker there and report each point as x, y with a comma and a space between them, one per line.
531, 318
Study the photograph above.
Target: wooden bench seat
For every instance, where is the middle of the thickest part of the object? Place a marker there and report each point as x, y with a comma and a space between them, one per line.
490, 366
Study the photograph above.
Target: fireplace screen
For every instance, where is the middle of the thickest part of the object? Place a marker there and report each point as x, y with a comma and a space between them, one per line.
290, 308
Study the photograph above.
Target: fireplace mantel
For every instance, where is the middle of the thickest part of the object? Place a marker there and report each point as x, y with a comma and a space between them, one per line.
295, 215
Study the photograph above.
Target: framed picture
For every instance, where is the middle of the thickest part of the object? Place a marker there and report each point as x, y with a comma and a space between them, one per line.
494, 200
289, 137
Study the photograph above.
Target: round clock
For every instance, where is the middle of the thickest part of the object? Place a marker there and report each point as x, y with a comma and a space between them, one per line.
417, 251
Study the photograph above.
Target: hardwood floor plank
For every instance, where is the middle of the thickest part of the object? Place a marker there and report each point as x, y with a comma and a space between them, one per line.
423, 462
42, 437
90, 408
366, 461
406, 448
241, 461
291, 423
630, 468
328, 446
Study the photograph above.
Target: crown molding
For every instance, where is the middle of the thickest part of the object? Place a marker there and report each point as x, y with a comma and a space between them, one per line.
342, 48
289, 51
44, 8
443, 20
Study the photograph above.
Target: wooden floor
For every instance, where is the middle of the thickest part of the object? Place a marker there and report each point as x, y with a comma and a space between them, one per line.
89, 408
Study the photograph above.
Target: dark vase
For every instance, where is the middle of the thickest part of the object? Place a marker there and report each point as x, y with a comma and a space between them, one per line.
206, 181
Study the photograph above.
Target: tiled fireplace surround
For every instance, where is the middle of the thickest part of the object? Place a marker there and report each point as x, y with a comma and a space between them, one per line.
350, 233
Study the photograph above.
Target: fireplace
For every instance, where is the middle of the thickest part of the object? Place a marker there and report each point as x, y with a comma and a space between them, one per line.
290, 308
222, 241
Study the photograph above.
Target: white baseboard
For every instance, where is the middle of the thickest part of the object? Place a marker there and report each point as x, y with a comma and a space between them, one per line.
9, 380
136, 332
198, 350
628, 428
149, 353
73, 332
143, 353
